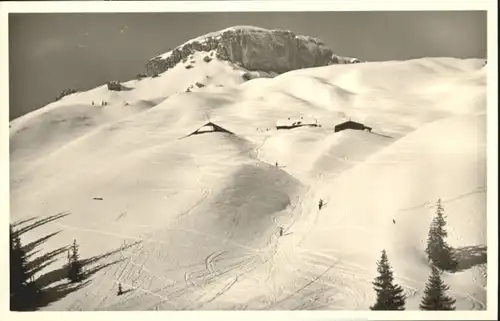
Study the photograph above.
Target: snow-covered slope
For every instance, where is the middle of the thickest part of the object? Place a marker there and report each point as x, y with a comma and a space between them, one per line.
192, 221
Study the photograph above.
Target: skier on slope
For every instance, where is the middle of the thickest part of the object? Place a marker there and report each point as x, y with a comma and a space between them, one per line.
120, 289
320, 204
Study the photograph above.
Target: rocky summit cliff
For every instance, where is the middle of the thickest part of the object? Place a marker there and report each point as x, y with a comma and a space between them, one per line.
254, 49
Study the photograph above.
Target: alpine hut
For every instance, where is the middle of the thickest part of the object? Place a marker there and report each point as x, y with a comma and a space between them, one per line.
351, 125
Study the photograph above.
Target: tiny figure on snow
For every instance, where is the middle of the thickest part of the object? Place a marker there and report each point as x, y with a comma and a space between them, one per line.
92, 103
276, 164
320, 204
393, 221
281, 230
120, 289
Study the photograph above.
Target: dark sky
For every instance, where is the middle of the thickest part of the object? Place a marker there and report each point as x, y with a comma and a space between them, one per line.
50, 52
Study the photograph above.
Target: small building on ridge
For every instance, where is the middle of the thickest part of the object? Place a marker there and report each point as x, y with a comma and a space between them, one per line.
351, 125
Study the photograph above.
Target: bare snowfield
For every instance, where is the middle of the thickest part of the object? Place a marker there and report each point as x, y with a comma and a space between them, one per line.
192, 222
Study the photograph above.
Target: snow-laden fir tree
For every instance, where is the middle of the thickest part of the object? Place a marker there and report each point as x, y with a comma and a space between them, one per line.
390, 296
438, 251
24, 293
75, 273
435, 297
18, 270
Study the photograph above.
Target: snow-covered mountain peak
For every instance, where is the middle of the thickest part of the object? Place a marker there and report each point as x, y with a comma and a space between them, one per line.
255, 49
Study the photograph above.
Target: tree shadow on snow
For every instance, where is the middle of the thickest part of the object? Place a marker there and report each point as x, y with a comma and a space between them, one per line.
470, 256
31, 246
126, 291
15, 224
97, 258
61, 273
53, 293
38, 223
57, 292
54, 283
41, 262
125, 88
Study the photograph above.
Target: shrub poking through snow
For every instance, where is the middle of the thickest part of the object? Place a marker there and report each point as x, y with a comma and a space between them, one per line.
200, 85
390, 296
140, 76
65, 92
189, 66
247, 76
207, 59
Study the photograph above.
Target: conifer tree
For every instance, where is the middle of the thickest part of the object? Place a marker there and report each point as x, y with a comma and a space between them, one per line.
75, 273
18, 271
435, 297
438, 251
24, 294
389, 296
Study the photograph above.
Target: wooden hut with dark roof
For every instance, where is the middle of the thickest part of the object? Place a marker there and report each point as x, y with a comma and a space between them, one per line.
351, 125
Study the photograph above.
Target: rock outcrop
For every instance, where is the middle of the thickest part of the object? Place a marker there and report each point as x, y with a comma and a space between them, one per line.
66, 92
254, 49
